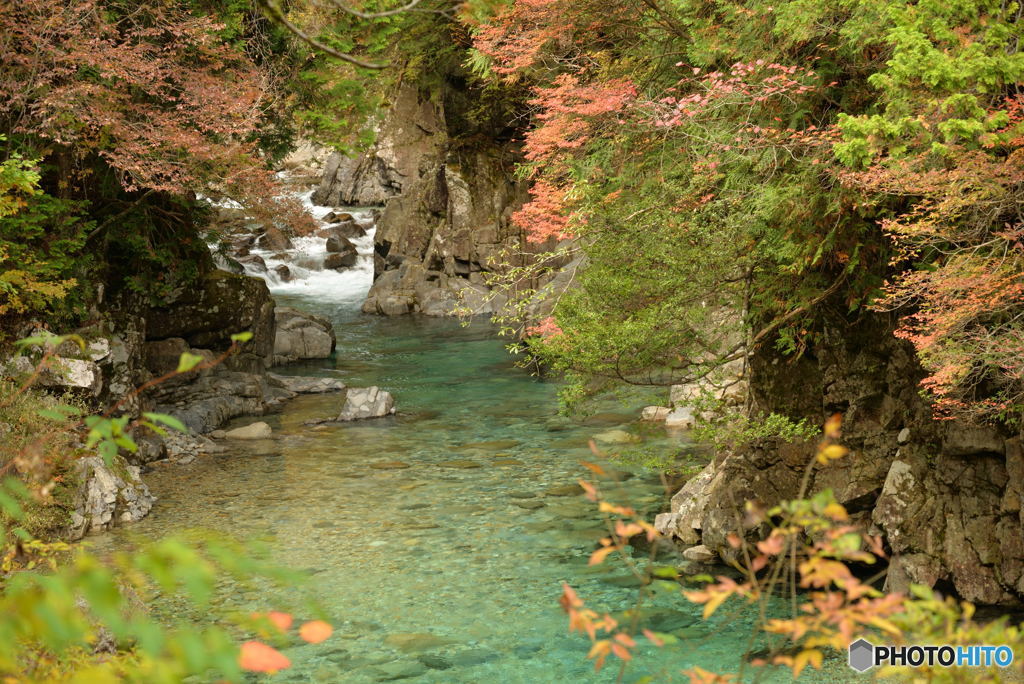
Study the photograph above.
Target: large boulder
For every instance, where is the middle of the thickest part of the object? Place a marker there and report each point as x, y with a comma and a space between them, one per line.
347, 229
301, 335
217, 306
336, 260
369, 402
274, 240
107, 496
339, 244
60, 373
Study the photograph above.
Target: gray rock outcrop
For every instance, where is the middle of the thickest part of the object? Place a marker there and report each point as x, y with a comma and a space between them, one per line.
107, 496
946, 496
446, 224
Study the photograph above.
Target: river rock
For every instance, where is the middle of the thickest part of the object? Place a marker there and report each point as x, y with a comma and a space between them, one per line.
284, 274
655, 413
274, 240
699, 554
399, 669
341, 260
348, 230
306, 385
463, 464
339, 244
253, 262
369, 402
216, 306
415, 642
446, 217
107, 496
254, 431
616, 437
60, 373
336, 217
301, 335
682, 418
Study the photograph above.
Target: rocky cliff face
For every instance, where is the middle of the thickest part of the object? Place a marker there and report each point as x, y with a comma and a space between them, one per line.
946, 496
447, 205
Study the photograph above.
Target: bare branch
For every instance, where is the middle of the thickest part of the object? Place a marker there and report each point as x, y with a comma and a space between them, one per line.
374, 15
275, 13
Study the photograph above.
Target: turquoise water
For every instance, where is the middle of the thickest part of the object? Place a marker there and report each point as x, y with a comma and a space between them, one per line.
437, 541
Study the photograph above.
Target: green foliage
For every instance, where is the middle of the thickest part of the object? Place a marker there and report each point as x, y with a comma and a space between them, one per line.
64, 610
737, 430
41, 238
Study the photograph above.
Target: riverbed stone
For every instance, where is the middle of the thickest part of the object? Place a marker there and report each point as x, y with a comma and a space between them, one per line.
463, 464
655, 413
616, 437
490, 445
258, 430
682, 418
565, 490
368, 402
415, 642
389, 465
435, 662
300, 384
399, 669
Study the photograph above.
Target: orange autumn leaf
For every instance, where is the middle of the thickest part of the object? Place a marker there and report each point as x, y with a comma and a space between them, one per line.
598, 556
283, 621
256, 656
653, 638
315, 631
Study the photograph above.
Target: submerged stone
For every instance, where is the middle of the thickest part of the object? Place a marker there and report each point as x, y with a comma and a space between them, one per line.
254, 431
565, 490
414, 642
435, 662
389, 465
463, 464
490, 445
616, 437
399, 669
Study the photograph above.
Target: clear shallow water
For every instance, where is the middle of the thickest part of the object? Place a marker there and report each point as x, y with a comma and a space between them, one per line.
437, 541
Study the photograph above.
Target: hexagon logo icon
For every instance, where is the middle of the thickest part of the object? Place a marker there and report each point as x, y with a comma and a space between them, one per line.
862, 655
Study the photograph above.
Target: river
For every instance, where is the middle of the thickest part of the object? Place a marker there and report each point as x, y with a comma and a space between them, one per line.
437, 541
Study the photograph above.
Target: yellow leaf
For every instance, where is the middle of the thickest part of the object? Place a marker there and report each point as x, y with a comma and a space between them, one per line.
836, 511
884, 625
803, 658
717, 599
598, 556
831, 453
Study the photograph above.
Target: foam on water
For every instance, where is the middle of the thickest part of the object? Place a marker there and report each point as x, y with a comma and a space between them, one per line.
306, 258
